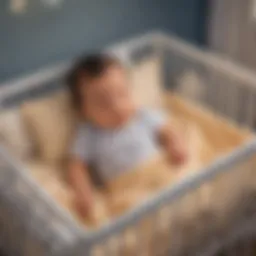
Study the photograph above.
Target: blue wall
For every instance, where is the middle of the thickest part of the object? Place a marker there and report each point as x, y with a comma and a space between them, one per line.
41, 37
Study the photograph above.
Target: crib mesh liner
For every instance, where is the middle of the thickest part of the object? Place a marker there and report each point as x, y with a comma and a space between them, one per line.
194, 209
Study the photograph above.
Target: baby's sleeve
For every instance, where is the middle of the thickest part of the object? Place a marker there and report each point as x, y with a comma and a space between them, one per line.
81, 146
154, 119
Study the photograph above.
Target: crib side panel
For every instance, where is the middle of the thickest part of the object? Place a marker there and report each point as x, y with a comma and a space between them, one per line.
30, 222
219, 84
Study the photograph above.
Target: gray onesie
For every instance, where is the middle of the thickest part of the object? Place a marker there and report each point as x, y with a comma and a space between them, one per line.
113, 152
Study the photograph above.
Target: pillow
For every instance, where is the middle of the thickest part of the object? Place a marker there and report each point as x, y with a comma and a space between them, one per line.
147, 86
51, 122
13, 134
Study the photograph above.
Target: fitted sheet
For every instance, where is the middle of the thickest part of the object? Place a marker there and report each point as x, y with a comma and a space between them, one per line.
207, 137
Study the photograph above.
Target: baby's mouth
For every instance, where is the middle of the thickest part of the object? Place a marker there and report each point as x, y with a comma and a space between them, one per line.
123, 119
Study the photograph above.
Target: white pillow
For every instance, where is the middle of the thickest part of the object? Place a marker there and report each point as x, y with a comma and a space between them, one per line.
51, 121
147, 85
13, 134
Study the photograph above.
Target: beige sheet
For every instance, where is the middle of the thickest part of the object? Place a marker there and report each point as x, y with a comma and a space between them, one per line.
207, 136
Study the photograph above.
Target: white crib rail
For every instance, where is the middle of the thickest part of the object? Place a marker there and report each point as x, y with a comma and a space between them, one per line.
121, 50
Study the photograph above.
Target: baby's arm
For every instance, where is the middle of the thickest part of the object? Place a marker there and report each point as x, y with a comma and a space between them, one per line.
81, 184
80, 155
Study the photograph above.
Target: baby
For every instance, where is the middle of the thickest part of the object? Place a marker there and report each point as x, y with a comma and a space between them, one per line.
115, 136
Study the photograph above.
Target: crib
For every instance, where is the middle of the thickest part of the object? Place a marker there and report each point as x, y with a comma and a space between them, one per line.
33, 224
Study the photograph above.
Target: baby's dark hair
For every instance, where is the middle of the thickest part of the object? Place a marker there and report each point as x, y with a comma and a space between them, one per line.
89, 66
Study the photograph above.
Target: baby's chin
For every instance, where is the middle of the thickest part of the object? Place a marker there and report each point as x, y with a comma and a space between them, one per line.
127, 118
121, 121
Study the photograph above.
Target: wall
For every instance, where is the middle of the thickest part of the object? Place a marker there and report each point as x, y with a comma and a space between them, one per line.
41, 37
232, 30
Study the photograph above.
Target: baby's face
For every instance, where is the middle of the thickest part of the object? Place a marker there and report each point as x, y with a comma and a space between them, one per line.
107, 99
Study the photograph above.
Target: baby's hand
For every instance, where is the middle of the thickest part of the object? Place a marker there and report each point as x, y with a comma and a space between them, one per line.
173, 144
179, 154
85, 206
